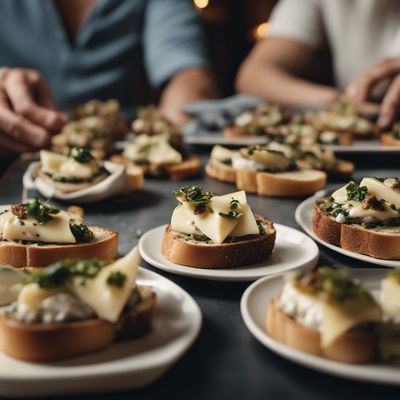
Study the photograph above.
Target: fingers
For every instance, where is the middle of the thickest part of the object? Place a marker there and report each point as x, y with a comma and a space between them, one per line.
390, 105
17, 128
361, 89
19, 90
9, 146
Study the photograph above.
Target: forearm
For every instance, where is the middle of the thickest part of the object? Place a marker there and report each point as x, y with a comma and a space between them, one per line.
187, 86
275, 84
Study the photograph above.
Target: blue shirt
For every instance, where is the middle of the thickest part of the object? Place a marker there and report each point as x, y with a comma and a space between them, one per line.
102, 60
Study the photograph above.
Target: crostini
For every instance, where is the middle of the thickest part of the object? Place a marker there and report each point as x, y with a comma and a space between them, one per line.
268, 170
325, 312
363, 218
79, 170
210, 231
392, 137
257, 121
94, 125
35, 234
343, 119
72, 307
158, 148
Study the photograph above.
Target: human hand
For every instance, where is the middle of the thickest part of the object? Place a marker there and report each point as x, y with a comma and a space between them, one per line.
360, 90
28, 113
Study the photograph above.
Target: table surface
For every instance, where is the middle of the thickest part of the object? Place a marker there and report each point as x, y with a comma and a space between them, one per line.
225, 362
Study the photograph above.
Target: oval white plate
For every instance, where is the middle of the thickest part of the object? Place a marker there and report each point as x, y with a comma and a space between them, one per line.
303, 217
293, 249
124, 365
254, 306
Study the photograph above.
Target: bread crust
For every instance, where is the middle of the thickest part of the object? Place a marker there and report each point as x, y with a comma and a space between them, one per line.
218, 170
324, 225
26, 255
226, 255
353, 237
388, 140
355, 346
48, 342
279, 184
189, 167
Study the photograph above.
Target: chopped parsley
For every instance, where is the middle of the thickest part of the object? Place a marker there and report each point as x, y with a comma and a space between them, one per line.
82, 233
195, 195
39, 210
356, 192
82, 155
116, 279
335, 285
231, 214
56, 274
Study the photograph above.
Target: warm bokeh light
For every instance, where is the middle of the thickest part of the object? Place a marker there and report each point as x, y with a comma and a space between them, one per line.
260, 30
201, 3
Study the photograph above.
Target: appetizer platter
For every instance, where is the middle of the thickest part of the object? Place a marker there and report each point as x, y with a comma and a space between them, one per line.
219, 238
358, 220
335, 321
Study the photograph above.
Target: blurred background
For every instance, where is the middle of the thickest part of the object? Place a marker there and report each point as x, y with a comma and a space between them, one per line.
232, 28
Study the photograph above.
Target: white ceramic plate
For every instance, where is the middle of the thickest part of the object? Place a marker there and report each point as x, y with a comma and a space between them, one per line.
122, 366
303, 217
358, 146
218, 138
254, 306
292, 250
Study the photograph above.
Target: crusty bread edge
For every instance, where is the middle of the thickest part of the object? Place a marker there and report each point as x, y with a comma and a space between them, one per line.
48, 342
21, 255
355, 346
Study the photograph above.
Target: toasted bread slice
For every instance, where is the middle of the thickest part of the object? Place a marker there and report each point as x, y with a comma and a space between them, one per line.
388, 140
281, 184
190, 166
52, 341
247, 251
104, 247
355, 346
232, 132
383, 243
218, 170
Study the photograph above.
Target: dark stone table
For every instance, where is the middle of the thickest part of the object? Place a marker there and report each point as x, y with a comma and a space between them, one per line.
225, 362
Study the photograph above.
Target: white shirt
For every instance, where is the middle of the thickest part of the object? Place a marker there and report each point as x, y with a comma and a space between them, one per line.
359, 32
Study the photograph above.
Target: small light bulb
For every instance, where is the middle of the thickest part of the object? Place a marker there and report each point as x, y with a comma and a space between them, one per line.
201, 3
261, 30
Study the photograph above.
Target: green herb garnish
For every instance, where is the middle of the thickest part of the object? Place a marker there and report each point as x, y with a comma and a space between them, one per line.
56, 274
82, 233
81, 155
195, 195
117, 279
356, 192
231, 214
40, 210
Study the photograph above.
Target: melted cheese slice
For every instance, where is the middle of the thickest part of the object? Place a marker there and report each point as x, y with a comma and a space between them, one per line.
59, 165
340, 195
338, 320
108, 300
57, 230
271, 159
390, 297
32, 295
214, 225
163, 153
381, 191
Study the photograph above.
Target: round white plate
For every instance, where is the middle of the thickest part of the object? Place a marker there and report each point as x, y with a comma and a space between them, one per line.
122, 366
254, 307
293, 249
303, 217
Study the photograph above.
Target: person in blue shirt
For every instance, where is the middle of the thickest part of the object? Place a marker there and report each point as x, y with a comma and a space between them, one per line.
55, 54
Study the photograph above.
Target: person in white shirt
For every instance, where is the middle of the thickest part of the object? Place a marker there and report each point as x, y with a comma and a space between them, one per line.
364, 39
